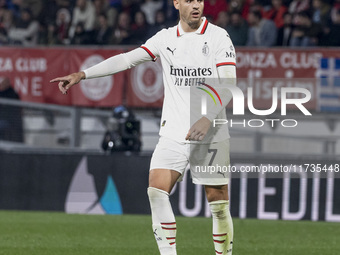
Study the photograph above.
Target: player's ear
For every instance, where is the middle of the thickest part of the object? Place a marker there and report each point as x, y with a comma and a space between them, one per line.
176, 4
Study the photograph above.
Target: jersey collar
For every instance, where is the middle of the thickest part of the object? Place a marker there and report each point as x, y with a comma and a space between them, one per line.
201, 30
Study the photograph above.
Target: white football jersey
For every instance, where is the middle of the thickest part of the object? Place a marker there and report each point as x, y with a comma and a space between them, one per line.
189, 61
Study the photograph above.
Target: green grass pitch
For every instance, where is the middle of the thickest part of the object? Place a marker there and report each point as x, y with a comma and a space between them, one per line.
49, 233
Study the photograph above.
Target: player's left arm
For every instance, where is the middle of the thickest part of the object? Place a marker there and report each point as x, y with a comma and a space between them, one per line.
227, 77
226, 68
227, 80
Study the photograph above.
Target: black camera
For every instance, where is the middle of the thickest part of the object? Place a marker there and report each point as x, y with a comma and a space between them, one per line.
123, 131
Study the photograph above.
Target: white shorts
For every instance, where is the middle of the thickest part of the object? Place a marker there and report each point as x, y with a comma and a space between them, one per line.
209, 163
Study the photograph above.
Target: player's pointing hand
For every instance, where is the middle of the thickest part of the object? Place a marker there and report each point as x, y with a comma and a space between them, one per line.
66, 82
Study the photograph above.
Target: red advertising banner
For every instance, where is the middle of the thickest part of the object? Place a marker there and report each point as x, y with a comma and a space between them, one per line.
315, 69
28, 70
101, 92
145, 85
31, 69
57, 65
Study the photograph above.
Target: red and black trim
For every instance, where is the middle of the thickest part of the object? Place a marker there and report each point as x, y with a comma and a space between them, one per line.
168, 228
172, 239
172, 235
226, 64
219, 241
168, 223
204, 27
154, 58
220, 234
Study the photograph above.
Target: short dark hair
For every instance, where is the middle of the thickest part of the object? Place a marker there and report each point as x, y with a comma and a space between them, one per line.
256, 13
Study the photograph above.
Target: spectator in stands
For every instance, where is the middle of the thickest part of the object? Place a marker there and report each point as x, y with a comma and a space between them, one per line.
332, 37
51, 34
61, 27
112, 15
284, 33
15, 6
25, 31
262, 32
3, 30
101, 7
150, 7
171, 13
276, 13
103, 32
160, 23
10, 116
122, 32
139, 29
223, 19
6, 18
6, 21
36, 6
238, 29
242, 6
213, 7
297, 6
83, 13
320, 12
335, 8
80, 36
306, 33
130, 7
51, 7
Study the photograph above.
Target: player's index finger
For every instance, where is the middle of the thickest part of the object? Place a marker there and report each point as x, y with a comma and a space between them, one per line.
188, 135
55, 79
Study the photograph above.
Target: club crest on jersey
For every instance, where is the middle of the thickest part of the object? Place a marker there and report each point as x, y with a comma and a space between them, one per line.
205, 49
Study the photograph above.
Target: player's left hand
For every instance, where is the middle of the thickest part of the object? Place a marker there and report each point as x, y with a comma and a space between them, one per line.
198, 131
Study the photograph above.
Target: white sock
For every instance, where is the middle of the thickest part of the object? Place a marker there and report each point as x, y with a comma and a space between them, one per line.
223, 231
163, 221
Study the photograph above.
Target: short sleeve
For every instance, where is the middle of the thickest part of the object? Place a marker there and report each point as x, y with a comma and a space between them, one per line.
151, 46
225, 53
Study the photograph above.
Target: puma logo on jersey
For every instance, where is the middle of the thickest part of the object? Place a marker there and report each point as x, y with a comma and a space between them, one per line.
221, 173
172, 51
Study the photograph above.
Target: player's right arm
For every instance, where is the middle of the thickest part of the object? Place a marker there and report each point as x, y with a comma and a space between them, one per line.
107, 67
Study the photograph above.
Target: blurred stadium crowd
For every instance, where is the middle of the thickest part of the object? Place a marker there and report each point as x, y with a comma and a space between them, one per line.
257, 23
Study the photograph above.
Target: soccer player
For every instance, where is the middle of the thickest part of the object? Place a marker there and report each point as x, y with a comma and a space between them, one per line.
193, 53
